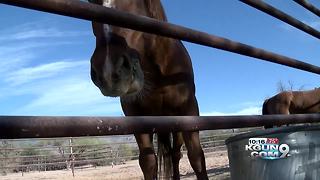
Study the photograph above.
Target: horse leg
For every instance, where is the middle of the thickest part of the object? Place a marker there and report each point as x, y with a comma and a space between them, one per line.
195, 154
283, 108
176, 155
147, 157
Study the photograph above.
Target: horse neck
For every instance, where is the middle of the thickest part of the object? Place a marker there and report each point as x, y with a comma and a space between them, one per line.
161, 49
316, 93
311, 96
157, 44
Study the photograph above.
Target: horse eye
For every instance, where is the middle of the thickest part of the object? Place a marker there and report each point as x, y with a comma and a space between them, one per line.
136, 60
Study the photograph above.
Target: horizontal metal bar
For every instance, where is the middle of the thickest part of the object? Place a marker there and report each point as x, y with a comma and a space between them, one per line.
309, 6
272, 11
88, 11
12, 127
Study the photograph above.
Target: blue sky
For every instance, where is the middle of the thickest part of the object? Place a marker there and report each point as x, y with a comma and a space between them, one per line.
44, 59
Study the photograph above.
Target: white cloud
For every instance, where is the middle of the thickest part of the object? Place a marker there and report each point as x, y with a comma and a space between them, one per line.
53, 88
16, 47
17, 55
58, 88
42, 33
70, 96
37, 30
13, 61
251, 110
25, 75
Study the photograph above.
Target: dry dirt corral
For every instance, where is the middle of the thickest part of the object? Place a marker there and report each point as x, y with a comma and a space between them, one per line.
217, 166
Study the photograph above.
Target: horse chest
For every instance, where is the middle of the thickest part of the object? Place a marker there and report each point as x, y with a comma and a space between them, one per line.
160, 104
167, 101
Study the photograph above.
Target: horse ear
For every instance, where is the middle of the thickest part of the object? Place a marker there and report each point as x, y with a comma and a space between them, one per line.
96, 27
156, 10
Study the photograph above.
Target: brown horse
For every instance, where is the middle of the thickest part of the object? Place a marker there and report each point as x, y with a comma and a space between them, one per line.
153, 76
293, 102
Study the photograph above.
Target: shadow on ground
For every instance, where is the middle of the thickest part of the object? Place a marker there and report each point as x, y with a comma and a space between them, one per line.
221, 173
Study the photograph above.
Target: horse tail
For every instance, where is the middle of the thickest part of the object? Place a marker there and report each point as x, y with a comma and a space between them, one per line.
165, 156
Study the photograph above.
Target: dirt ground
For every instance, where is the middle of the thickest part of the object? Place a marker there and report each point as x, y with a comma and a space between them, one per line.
217, 167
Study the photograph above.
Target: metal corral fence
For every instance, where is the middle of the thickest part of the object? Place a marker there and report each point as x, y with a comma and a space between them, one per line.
46, 154
33, 127
40, 127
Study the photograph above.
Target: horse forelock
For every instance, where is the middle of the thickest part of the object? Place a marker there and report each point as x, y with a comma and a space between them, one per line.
154, 7
108, 3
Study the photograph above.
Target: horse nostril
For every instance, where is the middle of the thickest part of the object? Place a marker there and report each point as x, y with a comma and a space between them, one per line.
125, 62
95, 77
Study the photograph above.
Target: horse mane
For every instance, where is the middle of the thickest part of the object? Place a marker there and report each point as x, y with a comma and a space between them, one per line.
156, 10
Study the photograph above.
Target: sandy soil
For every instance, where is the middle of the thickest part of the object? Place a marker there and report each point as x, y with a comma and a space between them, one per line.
217, 167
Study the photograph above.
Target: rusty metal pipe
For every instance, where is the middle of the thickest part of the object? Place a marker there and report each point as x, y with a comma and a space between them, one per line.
309, 6
12, 127
272, 11
88, 11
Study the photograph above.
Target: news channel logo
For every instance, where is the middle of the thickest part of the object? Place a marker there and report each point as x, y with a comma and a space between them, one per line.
267, 148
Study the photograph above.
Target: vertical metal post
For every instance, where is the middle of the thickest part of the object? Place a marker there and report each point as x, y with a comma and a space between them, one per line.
71, 156
39, 166
45, 164
5, 143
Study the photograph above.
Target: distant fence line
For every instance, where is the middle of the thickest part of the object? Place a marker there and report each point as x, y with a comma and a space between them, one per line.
104, 153
210, 150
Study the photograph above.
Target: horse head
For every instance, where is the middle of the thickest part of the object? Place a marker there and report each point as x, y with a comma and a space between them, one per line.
116, 62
